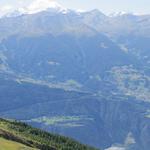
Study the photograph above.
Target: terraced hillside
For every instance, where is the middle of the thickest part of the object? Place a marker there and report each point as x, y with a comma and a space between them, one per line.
19, 136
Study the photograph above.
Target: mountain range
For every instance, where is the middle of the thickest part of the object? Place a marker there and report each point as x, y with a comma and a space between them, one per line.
80, 74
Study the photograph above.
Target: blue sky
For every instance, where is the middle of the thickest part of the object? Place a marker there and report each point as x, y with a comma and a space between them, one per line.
106, 6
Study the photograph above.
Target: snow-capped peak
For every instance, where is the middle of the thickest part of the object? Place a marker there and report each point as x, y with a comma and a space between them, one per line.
34, 7
41, 5
121, 13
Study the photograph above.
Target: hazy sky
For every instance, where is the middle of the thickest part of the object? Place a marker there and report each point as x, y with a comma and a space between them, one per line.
106, 6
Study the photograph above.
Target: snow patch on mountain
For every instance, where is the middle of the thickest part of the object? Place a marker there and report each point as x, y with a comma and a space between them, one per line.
123, 13
5, 10
40, 5
34, 7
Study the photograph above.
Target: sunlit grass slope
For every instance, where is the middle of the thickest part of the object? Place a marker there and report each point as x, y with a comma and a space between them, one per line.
20, 136
11, 145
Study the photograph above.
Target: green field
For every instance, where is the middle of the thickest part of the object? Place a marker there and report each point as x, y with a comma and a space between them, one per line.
10, 145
